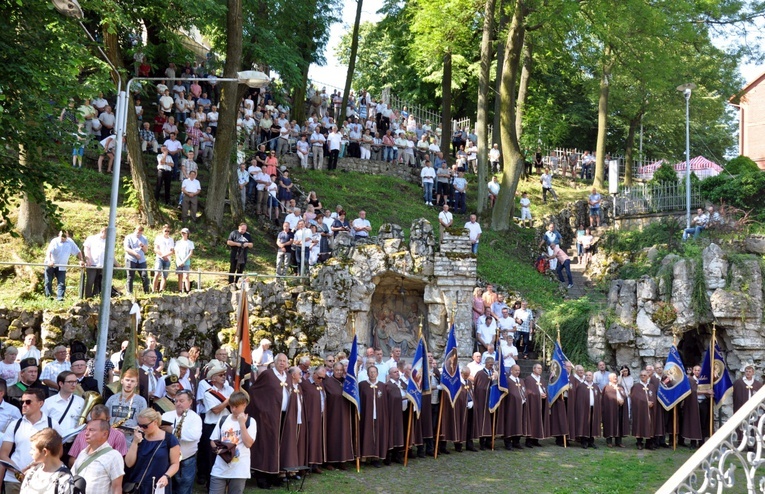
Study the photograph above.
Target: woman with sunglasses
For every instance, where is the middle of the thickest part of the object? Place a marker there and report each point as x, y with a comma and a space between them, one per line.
154, 456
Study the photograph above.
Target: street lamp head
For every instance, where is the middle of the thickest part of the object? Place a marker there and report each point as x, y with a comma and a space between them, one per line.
69, 8
686, 89
253, 78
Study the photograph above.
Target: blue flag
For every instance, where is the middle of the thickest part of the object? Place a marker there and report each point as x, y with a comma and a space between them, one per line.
419, 379
558, 382
450, 374
351, 383
715, 376
498, 389
674, 386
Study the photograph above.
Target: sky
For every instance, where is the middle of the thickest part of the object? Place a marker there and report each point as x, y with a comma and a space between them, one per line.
333, 73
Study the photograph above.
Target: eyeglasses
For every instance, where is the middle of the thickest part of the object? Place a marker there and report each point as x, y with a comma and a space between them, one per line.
144, 426
71, 382
26, 402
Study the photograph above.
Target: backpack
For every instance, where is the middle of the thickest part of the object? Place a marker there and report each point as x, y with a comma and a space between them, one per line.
542, 264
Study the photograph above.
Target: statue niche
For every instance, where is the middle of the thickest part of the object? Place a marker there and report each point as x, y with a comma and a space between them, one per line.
396, 313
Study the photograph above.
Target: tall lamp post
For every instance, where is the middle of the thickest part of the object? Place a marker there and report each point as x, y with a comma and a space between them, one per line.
71, 8
686, 90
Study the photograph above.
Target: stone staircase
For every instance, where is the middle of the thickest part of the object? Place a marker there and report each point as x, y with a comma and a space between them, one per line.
582, 282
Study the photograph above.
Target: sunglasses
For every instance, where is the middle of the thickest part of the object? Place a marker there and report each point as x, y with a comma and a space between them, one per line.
144, 426
26, 402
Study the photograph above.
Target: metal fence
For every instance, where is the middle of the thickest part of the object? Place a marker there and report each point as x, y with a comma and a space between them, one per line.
655, 198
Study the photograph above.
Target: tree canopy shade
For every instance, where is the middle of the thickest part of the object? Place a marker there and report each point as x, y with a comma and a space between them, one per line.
45, 62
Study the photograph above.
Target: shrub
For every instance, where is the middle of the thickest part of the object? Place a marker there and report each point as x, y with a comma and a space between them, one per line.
665, 173
741, 165
741, 191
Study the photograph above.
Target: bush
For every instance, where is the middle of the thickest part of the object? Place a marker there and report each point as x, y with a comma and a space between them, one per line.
741, 165
663, 232
741, 191
665, 173
573, 319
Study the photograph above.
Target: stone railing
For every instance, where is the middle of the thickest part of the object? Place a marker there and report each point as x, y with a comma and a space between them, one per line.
726, 459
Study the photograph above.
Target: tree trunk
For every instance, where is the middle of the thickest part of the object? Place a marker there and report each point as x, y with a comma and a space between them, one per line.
513, 158
495, 134
446, 103
226, 135
147, 205
298, 100
32, 222
523, 87
483, 91
600, 147
351, 64
629, 149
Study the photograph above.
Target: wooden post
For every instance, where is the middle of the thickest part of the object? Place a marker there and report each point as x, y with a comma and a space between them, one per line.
494, 427
408, 437
438, 427
674, 428
358, 451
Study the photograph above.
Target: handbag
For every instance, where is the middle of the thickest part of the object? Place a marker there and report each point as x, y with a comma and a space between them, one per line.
132, 487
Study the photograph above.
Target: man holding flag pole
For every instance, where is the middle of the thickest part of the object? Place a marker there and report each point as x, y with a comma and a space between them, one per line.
351, 391
673, 386
417, 387
558, 384
451, 385
714, 382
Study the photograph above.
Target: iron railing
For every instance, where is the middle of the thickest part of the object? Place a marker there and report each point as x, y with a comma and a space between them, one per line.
732, 456
646, 198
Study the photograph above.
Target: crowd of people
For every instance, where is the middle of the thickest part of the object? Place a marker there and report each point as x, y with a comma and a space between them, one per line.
173, 421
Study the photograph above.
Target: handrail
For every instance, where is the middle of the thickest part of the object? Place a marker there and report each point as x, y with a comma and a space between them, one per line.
714, 465
544, 333
198, 273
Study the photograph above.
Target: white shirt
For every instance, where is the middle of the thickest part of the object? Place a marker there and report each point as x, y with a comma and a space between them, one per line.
191, 186
509, 353
231, 433
428, 174
183, 251
474, 229
101, 472
445, 217
97, 246
32, 352
292, 219
525, 202
53, 369
475, 367
546, 181
164, 244
10, 372
55, 406
493, 187
211, 401
334, 139
8, 413
191, 431
22, 455
285, 391
261, 357
360, 223
60, 251
487, 333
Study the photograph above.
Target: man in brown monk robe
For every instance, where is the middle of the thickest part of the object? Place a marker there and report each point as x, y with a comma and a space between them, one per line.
514, 410
643, 401
536, 408
575, 377
559, 425
415, 435
691, 426
269, 397
396, 403
588, 414
430, 405
454, 419
373, 429
315, 400
482, 418
294, 439
616, 415
340, 417
659, 414
745, 387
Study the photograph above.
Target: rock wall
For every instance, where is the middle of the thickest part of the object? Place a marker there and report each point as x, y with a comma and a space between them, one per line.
316, 316
369, 167
644, 314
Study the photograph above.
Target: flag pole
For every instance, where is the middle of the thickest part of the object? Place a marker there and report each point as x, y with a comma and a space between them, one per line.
712, 344
408, 437
358, 450
494, 428
565, 443
441, 400
238, 336
674, 408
